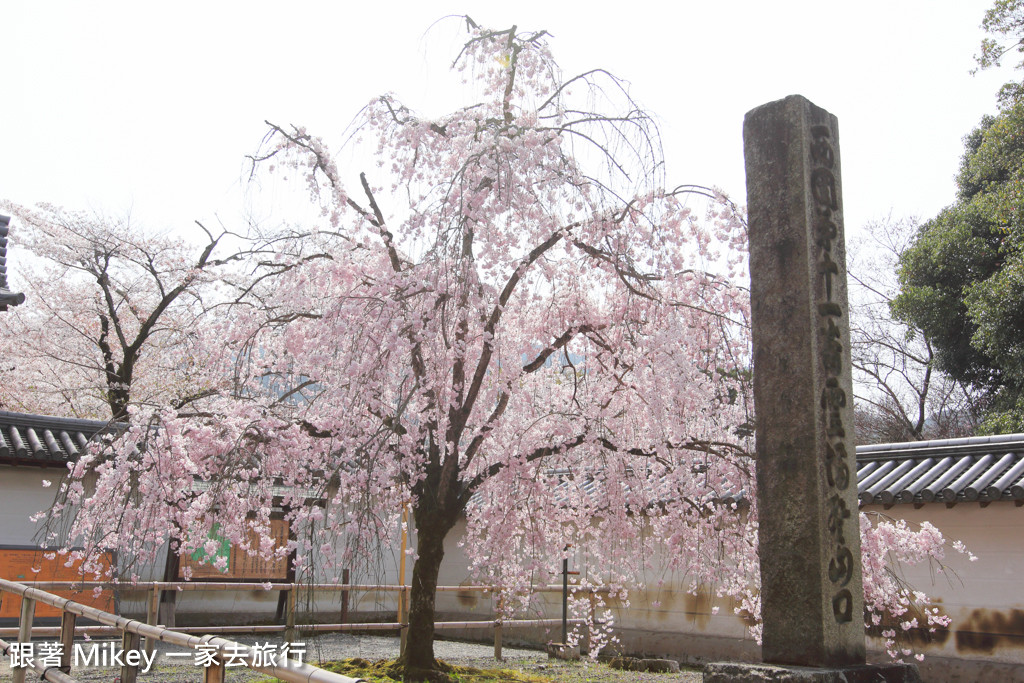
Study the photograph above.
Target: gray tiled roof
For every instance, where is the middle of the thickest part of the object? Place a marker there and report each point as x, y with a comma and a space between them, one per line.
41, 440
7, 297
981, 469
975, 469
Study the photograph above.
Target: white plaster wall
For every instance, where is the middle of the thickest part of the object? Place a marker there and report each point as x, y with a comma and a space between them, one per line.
665, 621
985, 598
22, 495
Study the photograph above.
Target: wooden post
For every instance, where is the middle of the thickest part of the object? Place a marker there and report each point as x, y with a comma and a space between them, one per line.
289, 615
129, 641
172, 564
289, 572
216, 672
153, 616
403, 618
344, 597
28, 611
592, 621
401, 576
67, 640
165, 612
499, 617
565, 601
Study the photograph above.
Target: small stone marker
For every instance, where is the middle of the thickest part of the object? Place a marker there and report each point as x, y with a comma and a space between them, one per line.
812, 599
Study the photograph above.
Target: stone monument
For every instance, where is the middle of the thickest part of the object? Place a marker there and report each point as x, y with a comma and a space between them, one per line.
812, 599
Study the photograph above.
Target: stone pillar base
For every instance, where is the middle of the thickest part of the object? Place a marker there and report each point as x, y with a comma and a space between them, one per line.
729, 672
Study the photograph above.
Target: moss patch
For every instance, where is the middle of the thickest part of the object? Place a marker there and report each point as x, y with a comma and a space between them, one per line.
390, 671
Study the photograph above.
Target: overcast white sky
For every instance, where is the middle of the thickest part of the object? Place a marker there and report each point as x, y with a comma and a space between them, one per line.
150, 108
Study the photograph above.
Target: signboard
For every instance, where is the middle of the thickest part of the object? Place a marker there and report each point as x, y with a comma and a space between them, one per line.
238, 564
29, 564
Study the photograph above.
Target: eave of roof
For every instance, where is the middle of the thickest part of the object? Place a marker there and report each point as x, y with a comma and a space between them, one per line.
41, 440
7, 297
982, 469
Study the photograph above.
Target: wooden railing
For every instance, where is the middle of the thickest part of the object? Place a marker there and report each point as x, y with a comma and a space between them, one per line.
220, 649
289, 628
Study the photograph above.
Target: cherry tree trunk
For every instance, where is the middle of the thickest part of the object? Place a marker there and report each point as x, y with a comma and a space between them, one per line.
431, 530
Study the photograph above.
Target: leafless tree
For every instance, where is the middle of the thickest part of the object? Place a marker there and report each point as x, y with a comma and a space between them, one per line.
901, 394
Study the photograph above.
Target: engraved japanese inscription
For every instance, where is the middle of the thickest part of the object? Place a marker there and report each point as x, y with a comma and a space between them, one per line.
840, 520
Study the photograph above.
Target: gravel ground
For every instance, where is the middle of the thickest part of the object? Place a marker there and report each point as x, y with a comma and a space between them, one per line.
172, 669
